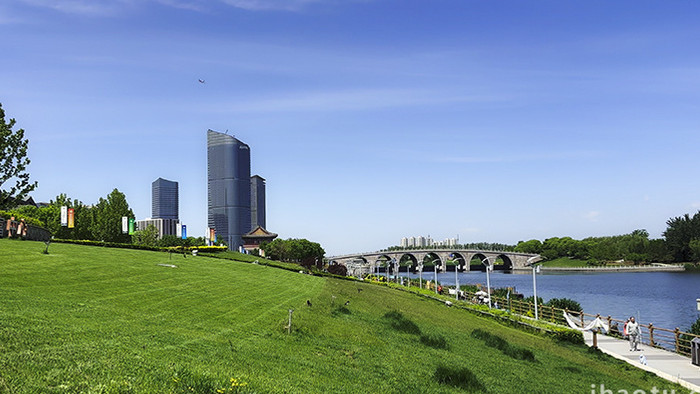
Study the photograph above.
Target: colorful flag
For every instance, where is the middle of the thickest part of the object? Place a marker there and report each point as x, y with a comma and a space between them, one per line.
71, 218
212, 236
184, 232
132, 223
64, 216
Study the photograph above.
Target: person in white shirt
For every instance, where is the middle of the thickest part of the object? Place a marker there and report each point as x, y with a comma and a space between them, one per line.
633, 332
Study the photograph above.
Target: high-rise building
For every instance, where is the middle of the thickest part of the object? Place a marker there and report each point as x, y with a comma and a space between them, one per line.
228, 187
164, 199
257, 201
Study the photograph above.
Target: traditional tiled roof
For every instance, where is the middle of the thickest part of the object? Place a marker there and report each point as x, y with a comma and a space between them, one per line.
259, 232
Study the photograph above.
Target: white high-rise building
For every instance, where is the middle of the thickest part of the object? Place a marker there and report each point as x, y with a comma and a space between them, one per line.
404, 242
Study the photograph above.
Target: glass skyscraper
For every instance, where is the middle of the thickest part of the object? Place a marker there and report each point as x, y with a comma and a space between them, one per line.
164, 199
228, 187
257, 201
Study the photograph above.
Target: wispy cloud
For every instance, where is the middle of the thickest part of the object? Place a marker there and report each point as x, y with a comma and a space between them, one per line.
348, 100
518, 157
83, 7
192, 5
592, 216
114, 7
269, 5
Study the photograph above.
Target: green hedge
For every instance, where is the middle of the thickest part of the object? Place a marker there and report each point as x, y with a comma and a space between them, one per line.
30, 220
173, 249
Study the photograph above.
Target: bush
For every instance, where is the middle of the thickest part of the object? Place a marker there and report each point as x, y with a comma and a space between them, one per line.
338, 269
18, 216
564, 303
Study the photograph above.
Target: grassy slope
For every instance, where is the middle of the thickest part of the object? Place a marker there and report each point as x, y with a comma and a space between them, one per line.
90, 319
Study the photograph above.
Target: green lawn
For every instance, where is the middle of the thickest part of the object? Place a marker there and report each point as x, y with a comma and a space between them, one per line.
98, 320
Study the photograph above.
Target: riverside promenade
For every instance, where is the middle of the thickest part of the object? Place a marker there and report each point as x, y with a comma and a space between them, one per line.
663, 363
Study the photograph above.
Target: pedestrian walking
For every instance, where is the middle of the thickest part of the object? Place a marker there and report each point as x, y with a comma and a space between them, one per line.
633, 332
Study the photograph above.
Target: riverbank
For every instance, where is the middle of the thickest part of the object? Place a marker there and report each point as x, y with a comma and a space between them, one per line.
631, 268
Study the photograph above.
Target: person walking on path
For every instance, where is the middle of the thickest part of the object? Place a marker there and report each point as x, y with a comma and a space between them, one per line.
633, 332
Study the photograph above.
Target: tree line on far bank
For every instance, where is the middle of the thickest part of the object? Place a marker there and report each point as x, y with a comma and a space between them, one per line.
680, 244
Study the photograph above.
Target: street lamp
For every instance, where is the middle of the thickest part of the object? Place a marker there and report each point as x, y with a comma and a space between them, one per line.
457, 279
489, 267
532, 261
435, 269
420, 274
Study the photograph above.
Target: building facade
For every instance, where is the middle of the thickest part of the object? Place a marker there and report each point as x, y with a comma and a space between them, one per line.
257, 201
164, 199
228, 187
164, 226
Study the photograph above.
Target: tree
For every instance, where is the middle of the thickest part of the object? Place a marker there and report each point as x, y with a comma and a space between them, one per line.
146, 237
13, 163
680, 231
107, 223
338, 269
531, 246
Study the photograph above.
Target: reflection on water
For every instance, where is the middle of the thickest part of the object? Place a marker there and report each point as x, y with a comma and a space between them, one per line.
666, 299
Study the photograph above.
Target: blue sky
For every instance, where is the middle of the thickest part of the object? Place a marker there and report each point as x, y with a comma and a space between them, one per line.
370, 119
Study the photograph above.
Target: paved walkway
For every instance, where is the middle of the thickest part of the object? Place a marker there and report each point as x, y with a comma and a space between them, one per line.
663, 363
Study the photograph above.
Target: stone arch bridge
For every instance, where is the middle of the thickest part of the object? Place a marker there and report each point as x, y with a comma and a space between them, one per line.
365, 263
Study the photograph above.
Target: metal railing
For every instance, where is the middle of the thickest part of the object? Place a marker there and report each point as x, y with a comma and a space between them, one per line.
673, 340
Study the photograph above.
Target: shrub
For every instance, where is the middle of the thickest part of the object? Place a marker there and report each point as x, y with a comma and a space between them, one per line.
564, 303
338, 269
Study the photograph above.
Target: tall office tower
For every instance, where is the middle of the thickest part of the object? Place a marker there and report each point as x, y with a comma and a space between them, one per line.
164, 199
257, 201
228, 187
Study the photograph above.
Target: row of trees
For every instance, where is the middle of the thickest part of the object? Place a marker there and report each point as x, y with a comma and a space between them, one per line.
635, 246
300, 251
681, 243
99, 222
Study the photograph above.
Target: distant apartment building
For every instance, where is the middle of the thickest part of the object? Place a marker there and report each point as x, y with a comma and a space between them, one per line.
164, 226
164, 199
421, 242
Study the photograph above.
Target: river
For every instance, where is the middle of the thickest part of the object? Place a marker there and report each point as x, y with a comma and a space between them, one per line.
666, 299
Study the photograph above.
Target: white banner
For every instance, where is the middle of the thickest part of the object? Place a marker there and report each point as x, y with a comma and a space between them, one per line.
125, 224
64, 216
179, 230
